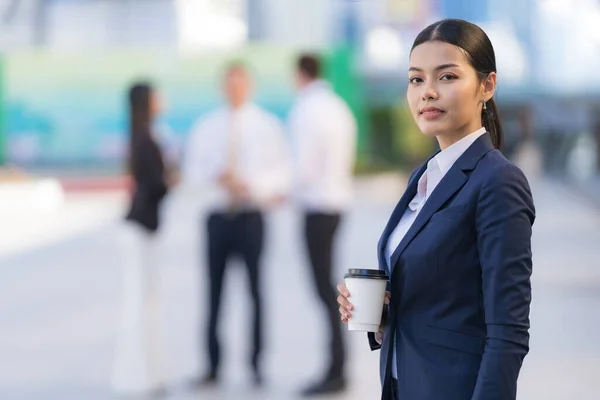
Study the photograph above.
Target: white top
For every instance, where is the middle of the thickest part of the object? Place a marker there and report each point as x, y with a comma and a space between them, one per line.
437, 168
324, 134
262, 158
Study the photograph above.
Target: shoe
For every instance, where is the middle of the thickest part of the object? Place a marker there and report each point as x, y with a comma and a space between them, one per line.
205, 381
258, 379
158, 393
257, 375
328, 386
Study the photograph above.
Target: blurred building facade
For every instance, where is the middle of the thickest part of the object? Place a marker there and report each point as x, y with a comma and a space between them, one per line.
546, 91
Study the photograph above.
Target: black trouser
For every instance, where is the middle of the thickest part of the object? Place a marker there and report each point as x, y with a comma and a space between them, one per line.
394, 389
319, 230
239, 234
389, 391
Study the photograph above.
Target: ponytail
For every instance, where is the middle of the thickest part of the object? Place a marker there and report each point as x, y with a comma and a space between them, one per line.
491, 121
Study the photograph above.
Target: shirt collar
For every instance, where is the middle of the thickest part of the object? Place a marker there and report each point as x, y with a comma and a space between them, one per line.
446, 158
314, 86
244, 108
421, 193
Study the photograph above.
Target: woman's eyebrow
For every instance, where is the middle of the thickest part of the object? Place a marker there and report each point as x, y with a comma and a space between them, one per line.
439, 67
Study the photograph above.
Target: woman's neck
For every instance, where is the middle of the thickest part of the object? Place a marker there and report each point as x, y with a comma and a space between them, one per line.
446, 140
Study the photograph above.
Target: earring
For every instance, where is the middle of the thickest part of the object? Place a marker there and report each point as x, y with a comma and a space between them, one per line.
484, 104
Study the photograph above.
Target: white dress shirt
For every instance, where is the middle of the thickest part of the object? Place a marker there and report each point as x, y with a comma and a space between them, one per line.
437, 168
323, 131
262, 157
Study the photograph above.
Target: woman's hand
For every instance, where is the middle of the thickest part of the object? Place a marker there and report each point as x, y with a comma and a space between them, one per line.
346, 307
172, 178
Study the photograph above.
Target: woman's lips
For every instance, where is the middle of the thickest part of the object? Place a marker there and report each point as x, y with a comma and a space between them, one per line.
431, 113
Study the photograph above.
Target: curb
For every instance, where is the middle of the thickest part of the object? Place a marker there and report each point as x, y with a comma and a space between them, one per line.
95, 184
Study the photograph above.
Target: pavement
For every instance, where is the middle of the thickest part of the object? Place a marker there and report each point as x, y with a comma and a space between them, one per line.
60, 297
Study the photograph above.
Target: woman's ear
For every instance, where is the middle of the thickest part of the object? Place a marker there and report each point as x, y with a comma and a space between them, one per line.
489, 86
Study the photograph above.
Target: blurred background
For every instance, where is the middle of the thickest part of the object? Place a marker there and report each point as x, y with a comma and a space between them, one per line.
65, 66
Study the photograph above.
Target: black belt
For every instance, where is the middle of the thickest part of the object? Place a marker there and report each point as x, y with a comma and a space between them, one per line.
242, 212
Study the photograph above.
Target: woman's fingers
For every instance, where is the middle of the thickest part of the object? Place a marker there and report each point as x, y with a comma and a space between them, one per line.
387, 299
345, 314
344, 303
343, 297
343, 290
345, 306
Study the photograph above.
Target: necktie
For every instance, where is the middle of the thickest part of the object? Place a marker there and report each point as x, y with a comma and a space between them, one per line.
232, 157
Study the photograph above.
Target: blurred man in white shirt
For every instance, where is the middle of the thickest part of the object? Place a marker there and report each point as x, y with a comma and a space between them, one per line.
324, 132
239, 155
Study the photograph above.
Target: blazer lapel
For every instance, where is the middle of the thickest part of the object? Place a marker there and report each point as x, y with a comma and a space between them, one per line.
448, 186
409, 194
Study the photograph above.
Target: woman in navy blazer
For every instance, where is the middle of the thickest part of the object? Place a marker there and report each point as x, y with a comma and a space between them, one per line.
458, 244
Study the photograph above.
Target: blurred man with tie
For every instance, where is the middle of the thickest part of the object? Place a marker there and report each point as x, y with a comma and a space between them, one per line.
323, 130
239, 152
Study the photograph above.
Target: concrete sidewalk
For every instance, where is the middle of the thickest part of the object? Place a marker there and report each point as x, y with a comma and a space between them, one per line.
59, 302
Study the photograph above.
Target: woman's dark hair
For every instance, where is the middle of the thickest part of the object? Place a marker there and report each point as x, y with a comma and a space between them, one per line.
480, 54
140, 117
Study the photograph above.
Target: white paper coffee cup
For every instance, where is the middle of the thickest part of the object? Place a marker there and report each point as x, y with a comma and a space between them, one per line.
367, 293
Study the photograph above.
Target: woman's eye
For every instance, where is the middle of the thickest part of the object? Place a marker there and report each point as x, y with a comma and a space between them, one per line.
448, 77
415, 79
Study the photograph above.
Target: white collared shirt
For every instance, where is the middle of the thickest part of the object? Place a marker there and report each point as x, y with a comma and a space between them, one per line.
324, 134
262, 160
437, 168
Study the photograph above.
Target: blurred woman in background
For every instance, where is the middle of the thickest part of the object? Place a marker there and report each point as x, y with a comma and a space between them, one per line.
137, 368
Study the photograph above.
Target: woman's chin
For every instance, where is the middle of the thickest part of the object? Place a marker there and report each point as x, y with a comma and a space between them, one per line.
430, 131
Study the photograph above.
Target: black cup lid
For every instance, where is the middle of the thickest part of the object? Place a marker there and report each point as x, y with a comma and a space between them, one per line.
366, 273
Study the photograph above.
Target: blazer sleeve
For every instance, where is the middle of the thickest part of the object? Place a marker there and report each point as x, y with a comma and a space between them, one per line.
504, 219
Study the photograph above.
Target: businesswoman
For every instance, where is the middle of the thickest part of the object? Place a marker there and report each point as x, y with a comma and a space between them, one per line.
137, 368
458, 244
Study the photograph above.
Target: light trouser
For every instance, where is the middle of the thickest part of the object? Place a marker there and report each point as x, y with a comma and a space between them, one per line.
138, 362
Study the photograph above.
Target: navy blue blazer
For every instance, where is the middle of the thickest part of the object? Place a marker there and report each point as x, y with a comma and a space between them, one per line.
460, 285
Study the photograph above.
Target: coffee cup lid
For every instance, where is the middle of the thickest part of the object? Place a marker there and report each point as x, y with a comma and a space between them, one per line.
366, 274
